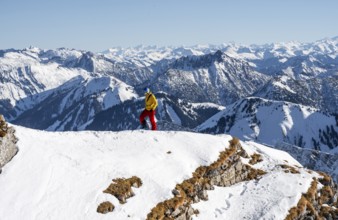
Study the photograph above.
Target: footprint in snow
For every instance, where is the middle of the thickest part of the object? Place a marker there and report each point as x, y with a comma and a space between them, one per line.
218, 212
227, 205
244, 189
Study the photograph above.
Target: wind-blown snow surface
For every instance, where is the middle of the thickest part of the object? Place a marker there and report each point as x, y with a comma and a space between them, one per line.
61, 175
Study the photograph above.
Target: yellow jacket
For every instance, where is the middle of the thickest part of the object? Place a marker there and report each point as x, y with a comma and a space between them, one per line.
151, 102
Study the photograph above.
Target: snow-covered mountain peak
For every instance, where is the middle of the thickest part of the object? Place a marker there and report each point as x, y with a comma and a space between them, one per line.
74, 104
27, 75
146, 56
214, 77
63, 54
32, 50
206, 61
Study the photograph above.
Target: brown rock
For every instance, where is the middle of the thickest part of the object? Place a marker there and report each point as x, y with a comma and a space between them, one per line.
105, 207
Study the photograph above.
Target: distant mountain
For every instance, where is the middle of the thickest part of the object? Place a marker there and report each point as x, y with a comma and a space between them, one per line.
269, 122
143, 56
320, 92
72, 105
32, 71
172, 112
25, 73
298, 60
299, 67
302, 60
215, 78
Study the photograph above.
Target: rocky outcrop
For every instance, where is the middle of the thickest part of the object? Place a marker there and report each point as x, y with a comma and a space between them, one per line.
121, 188
105, 207
319, 202
226, 171
8, 148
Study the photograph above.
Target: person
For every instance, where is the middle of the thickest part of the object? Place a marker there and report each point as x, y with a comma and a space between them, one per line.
149, 110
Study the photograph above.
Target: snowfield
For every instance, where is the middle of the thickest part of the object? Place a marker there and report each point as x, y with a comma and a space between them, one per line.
61, 175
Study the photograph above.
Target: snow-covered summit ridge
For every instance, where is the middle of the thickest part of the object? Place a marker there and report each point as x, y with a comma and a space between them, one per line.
69, 170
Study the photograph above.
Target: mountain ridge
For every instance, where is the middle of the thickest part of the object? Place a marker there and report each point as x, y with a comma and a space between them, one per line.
92, 159
268, 121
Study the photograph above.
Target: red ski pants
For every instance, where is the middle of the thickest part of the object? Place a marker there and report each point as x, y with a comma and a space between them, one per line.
151, 115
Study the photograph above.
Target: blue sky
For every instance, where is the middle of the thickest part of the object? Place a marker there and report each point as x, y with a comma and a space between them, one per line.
97, 25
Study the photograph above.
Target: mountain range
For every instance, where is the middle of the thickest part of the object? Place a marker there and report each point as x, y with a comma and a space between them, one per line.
280, 99
282, 92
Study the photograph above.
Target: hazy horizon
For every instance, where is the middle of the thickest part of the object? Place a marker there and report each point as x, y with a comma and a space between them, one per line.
99, 25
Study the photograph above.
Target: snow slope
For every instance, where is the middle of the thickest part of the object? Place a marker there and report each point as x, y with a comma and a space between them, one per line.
25, 73
271, 122
76, 103
28, 72
61, 175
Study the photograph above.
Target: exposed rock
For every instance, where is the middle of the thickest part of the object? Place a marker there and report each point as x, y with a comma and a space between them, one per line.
226, 171
289, 169
255, 158
317, 202
3, 127
105, 207
8, 148
121, 188
175, 192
